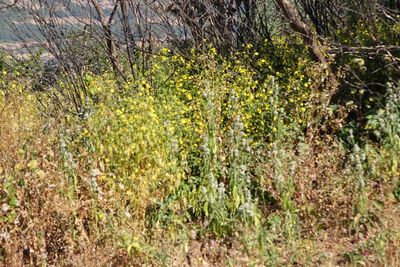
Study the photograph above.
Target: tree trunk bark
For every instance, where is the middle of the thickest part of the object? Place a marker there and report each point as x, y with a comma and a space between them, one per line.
106, 25
291, 13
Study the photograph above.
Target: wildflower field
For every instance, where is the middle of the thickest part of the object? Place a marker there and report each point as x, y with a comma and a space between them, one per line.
252, 158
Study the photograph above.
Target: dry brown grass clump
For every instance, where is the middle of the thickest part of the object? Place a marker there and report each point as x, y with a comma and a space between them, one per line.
42, 220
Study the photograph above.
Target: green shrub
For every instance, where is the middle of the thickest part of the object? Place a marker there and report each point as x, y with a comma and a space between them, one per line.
129, 145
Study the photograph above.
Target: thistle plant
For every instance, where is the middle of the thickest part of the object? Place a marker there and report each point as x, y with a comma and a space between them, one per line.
68, 163
386, 122
385, 125
283, 172
358, 170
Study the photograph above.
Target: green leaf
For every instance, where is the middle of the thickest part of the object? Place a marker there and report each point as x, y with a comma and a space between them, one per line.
13, 201
33, 164
378, 204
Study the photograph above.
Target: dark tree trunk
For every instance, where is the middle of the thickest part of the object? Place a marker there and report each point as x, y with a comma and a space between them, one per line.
291, 13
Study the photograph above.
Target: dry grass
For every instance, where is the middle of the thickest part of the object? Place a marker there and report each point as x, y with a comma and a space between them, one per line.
46, 219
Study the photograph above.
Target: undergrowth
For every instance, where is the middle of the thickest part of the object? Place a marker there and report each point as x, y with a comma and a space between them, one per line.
210, 161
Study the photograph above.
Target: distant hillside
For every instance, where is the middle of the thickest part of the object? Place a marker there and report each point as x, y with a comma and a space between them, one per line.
6, 32
17, 25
